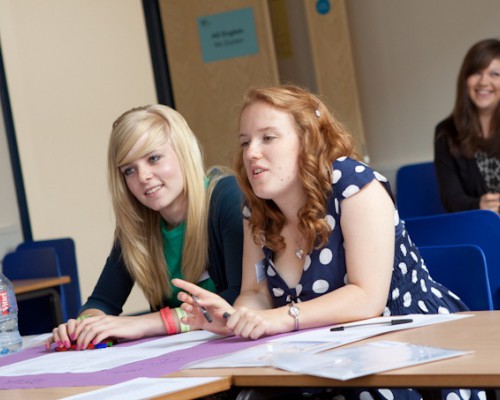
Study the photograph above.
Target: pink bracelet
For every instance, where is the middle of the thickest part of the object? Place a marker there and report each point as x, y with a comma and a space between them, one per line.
168, 320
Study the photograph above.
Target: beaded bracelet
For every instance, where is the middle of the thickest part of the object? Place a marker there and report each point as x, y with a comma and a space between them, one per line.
83, 316
181, 314
168, 320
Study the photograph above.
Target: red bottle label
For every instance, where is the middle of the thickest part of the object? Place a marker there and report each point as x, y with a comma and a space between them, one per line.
4, 302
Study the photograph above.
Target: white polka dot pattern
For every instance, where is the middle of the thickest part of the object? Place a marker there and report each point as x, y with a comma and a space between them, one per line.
452, 396
422, 306
320, 286
404, 269
325, 256
411, 288
379, 176
407, 299
365, 396
330, 221
396, 218
350, 190
387, 393
337, 174
453, 295
414, 277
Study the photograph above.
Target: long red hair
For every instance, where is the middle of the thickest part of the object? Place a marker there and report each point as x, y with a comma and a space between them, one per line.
323, 139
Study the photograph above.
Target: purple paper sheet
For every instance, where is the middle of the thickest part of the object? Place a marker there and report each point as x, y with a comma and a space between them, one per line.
150, 368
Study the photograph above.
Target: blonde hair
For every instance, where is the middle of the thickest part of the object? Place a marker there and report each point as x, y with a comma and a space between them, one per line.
137, 226
322, 140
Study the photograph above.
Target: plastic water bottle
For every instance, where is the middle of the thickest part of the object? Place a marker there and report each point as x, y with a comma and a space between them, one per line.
10, 339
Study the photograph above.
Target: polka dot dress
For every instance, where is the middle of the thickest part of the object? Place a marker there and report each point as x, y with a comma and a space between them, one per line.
412, 290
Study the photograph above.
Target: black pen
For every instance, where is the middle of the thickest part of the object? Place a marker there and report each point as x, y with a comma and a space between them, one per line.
390, 322
202, 309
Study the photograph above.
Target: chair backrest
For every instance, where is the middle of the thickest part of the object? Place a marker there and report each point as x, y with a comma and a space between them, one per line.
65, 249
31, 264
417, 191
477, 227
461, 269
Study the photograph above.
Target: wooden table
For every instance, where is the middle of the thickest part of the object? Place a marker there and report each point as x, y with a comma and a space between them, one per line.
22, 286
32, 288
480, 333
218, 386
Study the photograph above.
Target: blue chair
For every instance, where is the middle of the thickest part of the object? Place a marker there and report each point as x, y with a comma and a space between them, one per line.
462, 269
474, 227
65, 249
417, 191
34, 314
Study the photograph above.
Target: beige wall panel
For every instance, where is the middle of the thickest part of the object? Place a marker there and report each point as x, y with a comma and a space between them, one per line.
408, 54
334, 67
208, 95
72, 67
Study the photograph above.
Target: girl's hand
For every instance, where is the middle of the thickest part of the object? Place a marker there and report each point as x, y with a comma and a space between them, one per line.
253, 324
95, 329
61, 335
490, 201
202, 306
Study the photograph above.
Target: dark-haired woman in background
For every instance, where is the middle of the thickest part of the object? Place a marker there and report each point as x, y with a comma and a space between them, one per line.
467, 143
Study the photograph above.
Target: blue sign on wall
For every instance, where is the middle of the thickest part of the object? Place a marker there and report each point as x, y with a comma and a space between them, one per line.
227, 35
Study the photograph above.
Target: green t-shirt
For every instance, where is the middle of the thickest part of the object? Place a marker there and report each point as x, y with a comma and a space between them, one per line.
173, 241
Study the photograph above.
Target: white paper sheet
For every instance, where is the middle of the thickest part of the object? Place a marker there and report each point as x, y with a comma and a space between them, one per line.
259, 355
361, 360
316, 340
362, 332
102, 359
35, 340
142, 388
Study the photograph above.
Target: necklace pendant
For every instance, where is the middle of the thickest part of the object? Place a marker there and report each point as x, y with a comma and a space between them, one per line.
299, 253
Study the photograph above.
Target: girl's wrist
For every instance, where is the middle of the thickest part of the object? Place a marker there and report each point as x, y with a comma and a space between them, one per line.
172, 320
181, 314
83, 316
169, 320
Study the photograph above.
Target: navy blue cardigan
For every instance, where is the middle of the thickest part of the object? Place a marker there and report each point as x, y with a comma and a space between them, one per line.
225, 232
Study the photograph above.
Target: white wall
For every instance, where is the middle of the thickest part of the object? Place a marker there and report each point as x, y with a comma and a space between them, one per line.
407, 56
10, 225
72, 67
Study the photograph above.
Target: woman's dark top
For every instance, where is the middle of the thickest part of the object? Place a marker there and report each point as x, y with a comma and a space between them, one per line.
225, 233
460, 181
